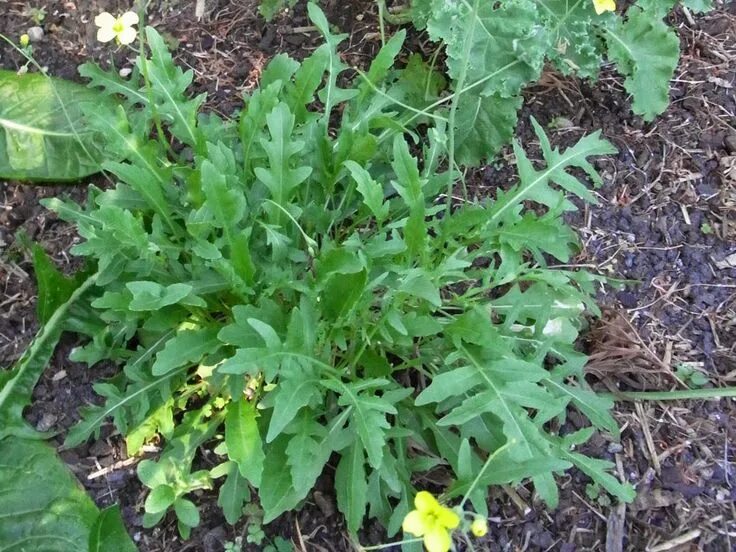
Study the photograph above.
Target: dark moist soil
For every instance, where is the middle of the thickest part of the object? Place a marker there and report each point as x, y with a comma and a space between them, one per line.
665, 223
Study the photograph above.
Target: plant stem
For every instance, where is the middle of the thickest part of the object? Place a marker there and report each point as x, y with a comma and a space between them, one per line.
453, 109
718, 393
387, 545
482, 471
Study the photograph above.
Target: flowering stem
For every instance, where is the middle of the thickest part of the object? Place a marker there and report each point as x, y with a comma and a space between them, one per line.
483, 471
384, 546
149, 89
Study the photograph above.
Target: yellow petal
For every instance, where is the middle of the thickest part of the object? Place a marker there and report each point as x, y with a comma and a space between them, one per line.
425, 502
414, 523
105, 20
602, 6
129, 18
105, 34
447, 518
127, 35
437, 539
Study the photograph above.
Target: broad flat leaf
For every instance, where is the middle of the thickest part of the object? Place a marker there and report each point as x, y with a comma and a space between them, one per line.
351, 487
308, 450
342, 292
646, 52
161, 421
187, 347
186, 512
108, 532
44, 508
503, 470
43, 133
417, 283
276, 493
576, 47
151, 296
233, 494
699, 6
500, 42
484, 124
244, 443
159, 499
292, 392
16, 384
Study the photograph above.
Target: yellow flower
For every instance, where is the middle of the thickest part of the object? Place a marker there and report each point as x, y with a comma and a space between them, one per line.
479, 527
432, 521
24, 40
604, 6
118, 28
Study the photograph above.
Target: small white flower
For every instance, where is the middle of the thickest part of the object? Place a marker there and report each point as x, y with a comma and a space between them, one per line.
118, 28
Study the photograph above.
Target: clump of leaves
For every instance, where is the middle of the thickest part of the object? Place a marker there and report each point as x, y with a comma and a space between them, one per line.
494, 49
284, 289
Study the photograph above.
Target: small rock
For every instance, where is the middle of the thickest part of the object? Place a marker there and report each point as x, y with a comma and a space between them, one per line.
58, 376
35, 34
46, 422
100, 448
730, 143
324, 503
125, 72
627, 299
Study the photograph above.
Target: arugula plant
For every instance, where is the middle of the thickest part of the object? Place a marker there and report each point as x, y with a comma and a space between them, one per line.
289, 289
493, 50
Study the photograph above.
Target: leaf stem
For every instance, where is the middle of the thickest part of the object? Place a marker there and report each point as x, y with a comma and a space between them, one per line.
686, 394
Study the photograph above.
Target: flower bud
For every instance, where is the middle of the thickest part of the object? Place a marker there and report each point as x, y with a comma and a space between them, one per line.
479, 527
24, 40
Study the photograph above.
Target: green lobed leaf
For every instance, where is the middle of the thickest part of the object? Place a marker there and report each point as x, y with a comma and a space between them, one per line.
646, 52
185, 348
243, 438
54, 288
276, 493
351, 487
234, 492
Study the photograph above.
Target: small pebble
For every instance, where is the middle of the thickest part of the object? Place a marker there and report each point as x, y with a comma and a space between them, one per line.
35, 34
730, 143
125, 72
46, 422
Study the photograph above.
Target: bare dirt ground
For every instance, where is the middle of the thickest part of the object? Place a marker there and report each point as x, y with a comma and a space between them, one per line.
666, 224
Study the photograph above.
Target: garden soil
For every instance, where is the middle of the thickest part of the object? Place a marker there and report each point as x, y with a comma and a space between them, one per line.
665, 227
